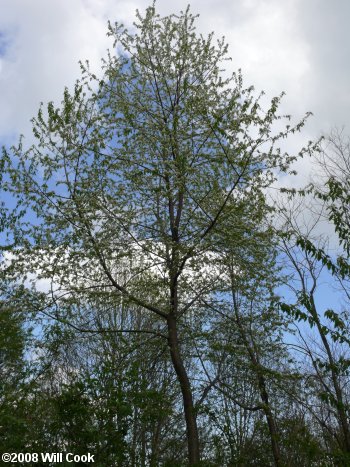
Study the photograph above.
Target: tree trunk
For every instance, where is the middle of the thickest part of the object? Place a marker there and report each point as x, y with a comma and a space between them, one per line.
270, 422
342, 415
155, 443
190, 416
254, 358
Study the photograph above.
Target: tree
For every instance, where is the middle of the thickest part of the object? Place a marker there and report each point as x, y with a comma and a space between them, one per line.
141, 176
250, 327
17, 369
328, 351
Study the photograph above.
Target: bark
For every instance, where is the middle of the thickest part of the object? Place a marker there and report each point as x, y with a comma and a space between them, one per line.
190, 416
270, 422
134, 438
340, 407
254, 358
155, 443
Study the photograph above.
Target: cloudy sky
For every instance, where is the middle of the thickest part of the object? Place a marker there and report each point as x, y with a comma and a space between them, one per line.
301, 47
297, 46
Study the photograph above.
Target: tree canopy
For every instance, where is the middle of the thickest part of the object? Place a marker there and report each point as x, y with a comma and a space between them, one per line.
143, 204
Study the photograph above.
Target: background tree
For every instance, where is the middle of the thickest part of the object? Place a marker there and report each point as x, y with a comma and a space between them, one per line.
326, 346
14, 371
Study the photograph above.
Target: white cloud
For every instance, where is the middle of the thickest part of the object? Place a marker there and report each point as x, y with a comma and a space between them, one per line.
47, 39
295, 46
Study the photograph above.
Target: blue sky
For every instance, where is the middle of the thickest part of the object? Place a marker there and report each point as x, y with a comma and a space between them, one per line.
298, 47
294, 46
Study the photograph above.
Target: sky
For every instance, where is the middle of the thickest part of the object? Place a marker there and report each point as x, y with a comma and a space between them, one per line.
301, 47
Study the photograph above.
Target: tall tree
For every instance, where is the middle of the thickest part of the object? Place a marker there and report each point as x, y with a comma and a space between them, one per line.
141, 174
